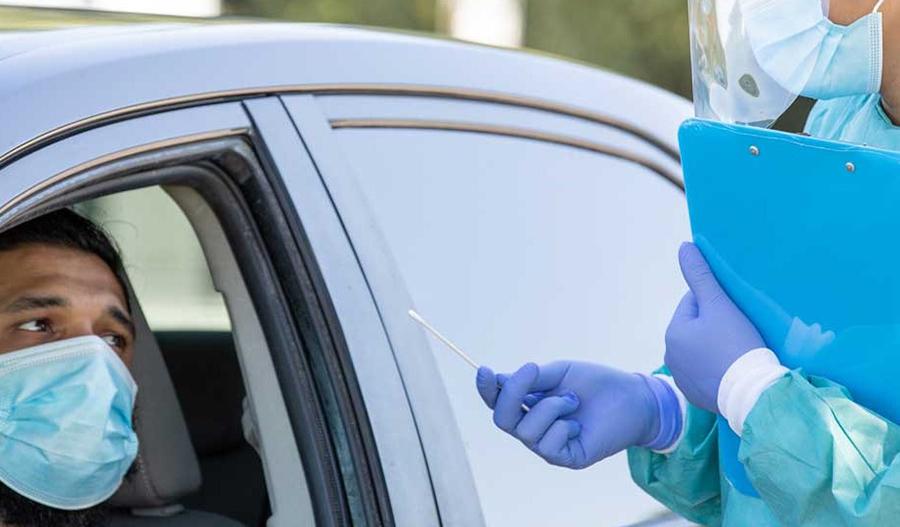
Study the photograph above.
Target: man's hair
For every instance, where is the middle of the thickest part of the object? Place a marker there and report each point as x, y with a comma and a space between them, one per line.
68, 229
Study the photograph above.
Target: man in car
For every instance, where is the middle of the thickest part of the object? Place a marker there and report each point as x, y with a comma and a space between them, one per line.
66, 395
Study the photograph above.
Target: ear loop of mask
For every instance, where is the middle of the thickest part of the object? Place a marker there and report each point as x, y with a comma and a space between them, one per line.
876, 9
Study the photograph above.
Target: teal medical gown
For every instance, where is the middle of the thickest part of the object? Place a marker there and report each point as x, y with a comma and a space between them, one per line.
859, 119
814, 456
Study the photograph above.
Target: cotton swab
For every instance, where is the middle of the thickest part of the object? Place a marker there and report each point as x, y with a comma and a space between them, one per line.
418, 318
447, 342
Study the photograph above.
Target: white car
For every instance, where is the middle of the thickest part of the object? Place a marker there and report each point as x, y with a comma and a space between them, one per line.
283, 195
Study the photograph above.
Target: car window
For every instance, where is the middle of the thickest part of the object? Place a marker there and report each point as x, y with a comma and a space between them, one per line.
522, 250
163, 258
168, 271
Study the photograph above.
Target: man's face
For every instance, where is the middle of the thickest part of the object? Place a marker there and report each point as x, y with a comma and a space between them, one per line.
51, 293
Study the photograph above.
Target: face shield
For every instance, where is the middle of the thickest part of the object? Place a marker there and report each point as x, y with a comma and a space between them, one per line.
751, 59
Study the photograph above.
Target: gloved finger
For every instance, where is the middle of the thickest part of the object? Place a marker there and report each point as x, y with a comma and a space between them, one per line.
530, 400
687, 308
538, 420
533, 398
508, 409
488, 389
699, 276
556, 446
551, 375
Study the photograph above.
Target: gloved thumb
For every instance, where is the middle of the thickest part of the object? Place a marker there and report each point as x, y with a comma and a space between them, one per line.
687, 308
488, 388
698, 275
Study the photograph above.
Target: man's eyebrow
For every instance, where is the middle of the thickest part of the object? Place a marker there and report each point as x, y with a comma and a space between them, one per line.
121, 317
28, 303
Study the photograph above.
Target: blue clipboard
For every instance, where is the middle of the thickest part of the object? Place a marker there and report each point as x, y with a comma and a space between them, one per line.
804, 235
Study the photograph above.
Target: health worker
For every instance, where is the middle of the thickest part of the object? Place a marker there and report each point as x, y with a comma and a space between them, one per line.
812, 456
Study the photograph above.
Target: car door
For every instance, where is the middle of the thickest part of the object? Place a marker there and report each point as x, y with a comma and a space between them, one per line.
292, 323
526, 230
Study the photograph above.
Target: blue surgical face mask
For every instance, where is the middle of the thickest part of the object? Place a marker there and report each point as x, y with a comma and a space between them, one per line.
807, 54
66, 435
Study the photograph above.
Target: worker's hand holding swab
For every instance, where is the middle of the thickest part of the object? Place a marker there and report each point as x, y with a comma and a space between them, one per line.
581, 412
574, 414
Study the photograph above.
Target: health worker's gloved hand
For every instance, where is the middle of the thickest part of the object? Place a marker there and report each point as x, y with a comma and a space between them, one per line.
579, 412
707, 333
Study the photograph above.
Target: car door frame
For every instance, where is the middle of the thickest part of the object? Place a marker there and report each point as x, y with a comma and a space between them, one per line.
61, 166
407, 475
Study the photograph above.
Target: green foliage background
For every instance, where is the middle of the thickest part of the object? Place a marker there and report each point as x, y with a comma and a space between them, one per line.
646, 39
400, 14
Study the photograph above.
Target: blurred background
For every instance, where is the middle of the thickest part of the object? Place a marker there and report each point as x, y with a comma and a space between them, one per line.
646, 39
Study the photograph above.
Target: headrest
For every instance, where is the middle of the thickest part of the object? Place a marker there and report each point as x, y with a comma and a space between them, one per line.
166, 468
207, 376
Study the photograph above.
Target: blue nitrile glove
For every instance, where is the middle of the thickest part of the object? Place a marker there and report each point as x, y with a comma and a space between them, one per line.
581, 412
707, 333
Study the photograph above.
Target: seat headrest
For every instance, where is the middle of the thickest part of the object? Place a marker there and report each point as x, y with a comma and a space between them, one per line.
166, 468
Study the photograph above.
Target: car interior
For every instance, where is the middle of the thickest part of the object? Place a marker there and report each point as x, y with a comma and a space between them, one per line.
194, 466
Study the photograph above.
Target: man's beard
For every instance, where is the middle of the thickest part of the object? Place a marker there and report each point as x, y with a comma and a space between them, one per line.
18, 511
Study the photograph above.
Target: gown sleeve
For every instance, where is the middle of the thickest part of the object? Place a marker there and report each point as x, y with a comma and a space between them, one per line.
818, 458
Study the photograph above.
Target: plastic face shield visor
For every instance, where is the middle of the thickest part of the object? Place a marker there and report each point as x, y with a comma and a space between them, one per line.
729, 84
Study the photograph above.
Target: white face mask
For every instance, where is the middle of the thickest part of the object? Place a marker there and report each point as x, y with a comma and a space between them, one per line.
795, 43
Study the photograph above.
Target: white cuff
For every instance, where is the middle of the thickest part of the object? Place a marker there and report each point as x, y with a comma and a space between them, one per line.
744, 382
682, 406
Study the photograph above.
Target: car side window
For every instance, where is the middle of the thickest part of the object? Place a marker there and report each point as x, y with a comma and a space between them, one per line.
525, 250
171, 280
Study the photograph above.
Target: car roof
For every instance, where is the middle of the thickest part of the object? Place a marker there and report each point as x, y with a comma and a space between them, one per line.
51, 79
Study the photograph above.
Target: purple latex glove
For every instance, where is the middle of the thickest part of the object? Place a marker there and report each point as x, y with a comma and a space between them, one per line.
707, 333
581, 412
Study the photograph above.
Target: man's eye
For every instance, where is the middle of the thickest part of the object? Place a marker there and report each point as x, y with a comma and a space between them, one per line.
40, 325
114, 341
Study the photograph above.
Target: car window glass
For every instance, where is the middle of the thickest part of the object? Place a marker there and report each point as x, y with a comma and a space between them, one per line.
520, 251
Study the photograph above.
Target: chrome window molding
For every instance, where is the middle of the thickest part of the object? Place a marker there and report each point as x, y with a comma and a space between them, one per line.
335, 89
120, 155
508, 131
